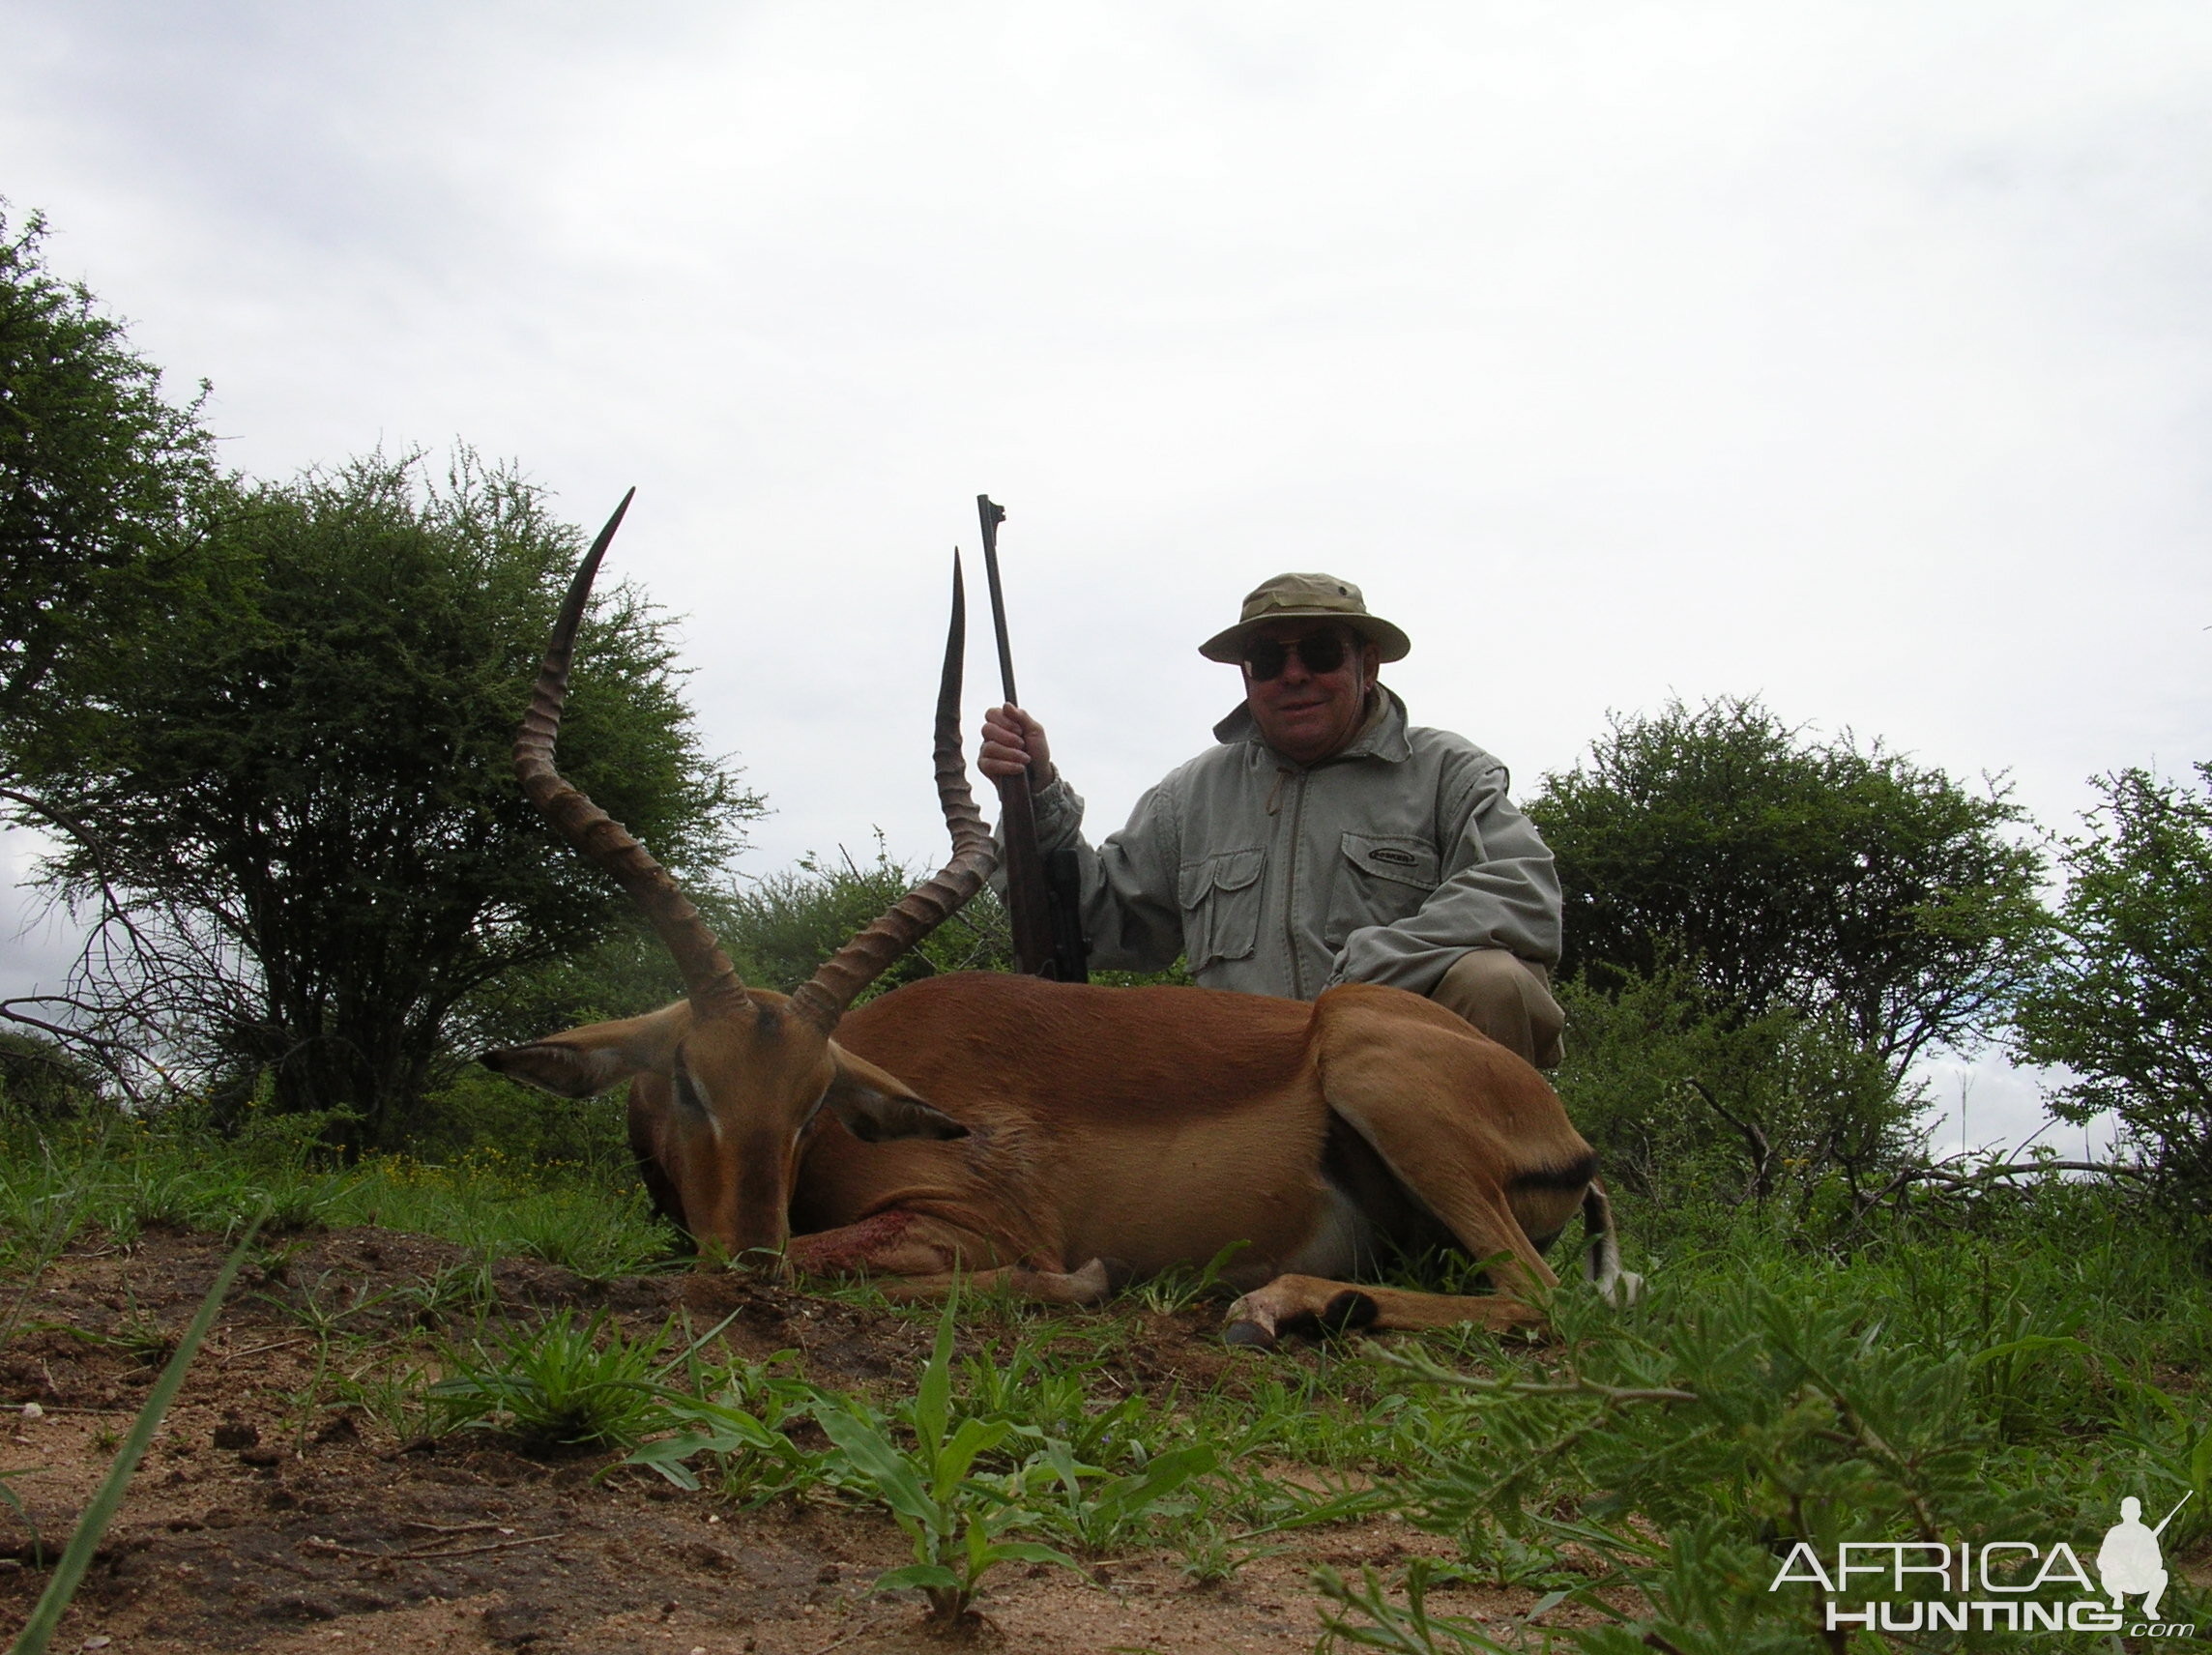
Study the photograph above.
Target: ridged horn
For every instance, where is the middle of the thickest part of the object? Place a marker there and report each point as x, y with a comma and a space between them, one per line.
823, 999
708, 976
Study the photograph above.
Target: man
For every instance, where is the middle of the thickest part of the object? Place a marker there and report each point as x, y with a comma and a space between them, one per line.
1324, 840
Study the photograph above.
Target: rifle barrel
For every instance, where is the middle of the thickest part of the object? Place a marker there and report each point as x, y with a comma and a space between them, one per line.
992, 515
2169, 1515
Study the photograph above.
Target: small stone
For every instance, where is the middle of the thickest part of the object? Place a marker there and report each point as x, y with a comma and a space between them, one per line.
100, 1642
31, 1410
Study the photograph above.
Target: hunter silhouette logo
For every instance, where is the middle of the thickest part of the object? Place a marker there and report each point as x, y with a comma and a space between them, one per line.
2129, 1561
1995, 1586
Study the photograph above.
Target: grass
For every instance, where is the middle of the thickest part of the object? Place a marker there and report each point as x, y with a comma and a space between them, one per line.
122, 1174
2013, 1362
561, 1383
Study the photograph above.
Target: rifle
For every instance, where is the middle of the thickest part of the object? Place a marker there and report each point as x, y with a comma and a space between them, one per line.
1043, 892
2171, 1515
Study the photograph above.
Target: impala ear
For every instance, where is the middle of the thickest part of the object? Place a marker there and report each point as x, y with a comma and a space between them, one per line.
596, 1057
876, 1105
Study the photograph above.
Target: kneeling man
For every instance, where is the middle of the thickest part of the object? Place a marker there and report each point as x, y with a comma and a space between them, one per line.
1326, 838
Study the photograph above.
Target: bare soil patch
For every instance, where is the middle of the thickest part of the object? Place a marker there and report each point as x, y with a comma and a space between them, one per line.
258, 1523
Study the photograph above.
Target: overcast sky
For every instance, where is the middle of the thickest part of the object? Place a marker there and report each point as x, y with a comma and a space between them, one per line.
1854, 355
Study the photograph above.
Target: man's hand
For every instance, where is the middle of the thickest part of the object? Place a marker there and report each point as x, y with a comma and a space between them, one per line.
1014, 741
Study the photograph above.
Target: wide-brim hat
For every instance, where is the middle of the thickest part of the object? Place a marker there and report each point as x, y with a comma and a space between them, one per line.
1306, 596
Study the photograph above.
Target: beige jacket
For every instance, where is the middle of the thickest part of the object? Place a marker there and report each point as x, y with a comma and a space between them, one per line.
1383, 864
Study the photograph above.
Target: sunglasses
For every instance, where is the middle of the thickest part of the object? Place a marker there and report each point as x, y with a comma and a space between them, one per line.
1266, 658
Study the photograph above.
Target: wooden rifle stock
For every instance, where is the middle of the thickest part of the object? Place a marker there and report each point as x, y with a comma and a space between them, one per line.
1043, 902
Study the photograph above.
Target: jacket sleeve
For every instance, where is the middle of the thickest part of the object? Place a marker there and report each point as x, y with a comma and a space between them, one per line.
1130, 914
1500, 890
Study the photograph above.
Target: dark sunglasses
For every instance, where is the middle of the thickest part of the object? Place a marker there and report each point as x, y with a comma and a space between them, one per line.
1267, 657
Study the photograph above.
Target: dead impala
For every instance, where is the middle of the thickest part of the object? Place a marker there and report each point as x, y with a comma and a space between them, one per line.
1058, 1138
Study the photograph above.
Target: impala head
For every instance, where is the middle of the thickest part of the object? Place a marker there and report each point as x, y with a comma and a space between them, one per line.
728, 1080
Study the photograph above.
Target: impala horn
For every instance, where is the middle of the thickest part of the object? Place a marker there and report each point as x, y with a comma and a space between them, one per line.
708, 975
823, 999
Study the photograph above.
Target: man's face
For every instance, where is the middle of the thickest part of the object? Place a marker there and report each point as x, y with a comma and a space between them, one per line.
1306, 716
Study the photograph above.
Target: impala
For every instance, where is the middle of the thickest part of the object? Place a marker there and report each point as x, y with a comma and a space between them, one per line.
1059, 1138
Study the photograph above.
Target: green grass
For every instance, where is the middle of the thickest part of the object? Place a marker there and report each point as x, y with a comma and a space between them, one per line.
2013, 1362
121, 1174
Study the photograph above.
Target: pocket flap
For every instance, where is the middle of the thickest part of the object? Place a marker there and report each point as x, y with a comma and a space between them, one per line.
1232, 870
1408, 862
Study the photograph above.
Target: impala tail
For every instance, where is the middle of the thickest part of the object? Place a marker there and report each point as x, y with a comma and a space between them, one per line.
1614, 1285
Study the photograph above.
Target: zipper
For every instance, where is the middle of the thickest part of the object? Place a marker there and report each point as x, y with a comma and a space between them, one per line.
1291, 886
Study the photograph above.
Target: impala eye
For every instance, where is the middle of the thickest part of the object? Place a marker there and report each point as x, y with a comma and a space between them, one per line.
688, 1093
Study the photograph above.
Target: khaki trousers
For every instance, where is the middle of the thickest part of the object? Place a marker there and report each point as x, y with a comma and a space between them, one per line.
1508, 998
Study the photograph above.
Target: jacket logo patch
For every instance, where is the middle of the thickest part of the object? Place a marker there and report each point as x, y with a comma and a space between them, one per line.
1399, 858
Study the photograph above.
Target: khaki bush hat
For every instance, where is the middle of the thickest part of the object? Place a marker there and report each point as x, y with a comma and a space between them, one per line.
1306, 596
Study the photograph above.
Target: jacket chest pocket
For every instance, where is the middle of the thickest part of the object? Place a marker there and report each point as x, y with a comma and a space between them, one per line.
1380, 878
1220, 901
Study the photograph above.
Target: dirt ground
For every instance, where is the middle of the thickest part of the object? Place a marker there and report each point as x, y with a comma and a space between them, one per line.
245, 1529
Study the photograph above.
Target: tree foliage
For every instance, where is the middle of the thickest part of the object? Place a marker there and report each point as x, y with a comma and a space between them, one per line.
300, 783
1688, 1101
98, 469
39, 1077
1855, 886
2123, 997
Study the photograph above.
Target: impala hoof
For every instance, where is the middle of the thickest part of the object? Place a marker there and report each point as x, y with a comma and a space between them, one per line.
1094, 1283
1248, 1324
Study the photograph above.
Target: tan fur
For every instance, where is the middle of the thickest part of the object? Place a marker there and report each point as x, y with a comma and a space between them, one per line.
1113, 1130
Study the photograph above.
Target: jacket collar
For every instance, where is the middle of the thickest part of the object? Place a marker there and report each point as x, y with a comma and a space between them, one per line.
1383, 737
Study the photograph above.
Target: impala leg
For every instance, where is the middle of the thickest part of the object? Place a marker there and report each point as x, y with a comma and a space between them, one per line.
1314, 1305
1473, 1133
1090, 1285
913, 1258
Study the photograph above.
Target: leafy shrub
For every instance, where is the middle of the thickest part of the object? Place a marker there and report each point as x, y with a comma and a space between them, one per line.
1792, 872
1687, 1100
477, 1112
40, 1078
2124, 996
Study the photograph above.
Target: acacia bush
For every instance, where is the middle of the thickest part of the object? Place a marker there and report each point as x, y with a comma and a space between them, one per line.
40, 1077
297, 787
1855, 887
1686, 1101
100, 472
2123, 995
